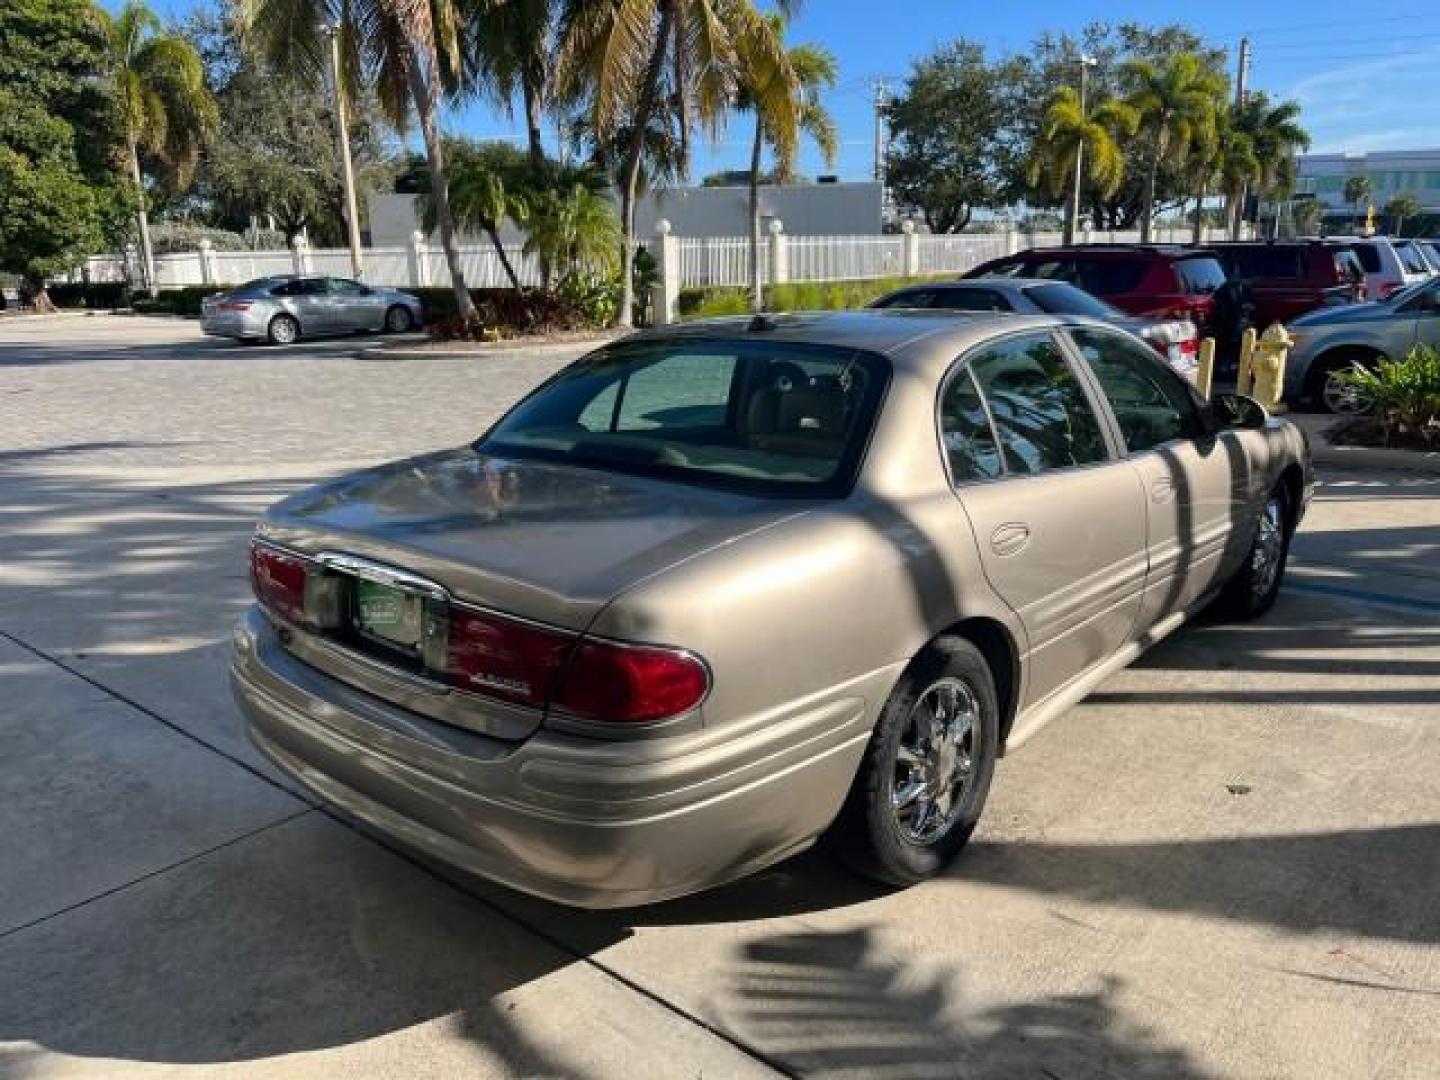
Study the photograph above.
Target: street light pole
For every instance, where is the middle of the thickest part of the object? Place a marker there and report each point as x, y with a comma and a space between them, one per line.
1072, 223
342, 139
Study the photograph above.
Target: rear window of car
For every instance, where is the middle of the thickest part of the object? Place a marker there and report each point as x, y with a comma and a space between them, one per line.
768, 417
1200, 275
1411, 259
1059, 298
1264, 262
1110, 276
1368, 256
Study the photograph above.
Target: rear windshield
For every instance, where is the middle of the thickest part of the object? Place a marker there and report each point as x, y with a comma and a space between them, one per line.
1368, 256
947, 298
1202, 275
1062, 299
1264, 262
769, 417
1411, 259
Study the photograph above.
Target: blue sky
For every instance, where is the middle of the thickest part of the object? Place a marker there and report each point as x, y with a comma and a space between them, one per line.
1366, 74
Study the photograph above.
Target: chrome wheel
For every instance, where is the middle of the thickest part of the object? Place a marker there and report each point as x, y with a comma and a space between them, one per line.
935, 761
398, 320
284, 330
1344, 398
1269, 549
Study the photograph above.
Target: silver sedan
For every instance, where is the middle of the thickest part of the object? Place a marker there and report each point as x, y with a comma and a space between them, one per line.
1333, 340
285, 308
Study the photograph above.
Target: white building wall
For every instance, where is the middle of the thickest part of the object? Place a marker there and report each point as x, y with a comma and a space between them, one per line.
1390, 171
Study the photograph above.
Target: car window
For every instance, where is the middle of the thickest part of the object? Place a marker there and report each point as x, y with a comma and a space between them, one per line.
1108, 277
1060, 298
1269, 261
1411, 259
965, 430
967, 299
1368, 256
1423, 296
1202, 275
1152, 403
345, 287
310, 287
287, 288
1347, 266
762, 416
907, 299
1041, 414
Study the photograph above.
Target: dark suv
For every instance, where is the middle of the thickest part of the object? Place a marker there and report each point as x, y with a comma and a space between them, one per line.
1287, 278
1157, 280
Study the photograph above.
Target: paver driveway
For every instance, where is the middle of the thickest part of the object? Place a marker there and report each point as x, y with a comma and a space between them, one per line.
1225, 863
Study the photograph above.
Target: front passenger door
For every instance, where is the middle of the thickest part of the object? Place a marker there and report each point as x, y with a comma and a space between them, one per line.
1196, 482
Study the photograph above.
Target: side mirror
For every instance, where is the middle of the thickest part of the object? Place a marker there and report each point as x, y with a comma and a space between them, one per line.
1235, 411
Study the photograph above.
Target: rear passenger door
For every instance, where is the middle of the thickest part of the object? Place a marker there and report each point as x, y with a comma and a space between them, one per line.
1058, 521
1196, 482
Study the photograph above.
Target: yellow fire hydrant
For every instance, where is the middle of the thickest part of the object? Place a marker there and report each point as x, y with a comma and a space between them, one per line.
1262, 366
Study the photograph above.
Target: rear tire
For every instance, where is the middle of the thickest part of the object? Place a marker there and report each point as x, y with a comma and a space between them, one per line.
283, 330
933, 747
1335, 397
1251, 592
398, 320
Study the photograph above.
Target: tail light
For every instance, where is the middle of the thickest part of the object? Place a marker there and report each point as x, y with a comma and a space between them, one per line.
501, 657
233, 305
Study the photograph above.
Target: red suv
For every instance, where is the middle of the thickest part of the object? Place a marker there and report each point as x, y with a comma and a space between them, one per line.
1287, 278
1161, 281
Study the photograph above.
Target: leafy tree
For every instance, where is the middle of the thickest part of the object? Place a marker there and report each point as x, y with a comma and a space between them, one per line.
411, 51
1308, 214
166, 111
1402, 206
1065, 131
1176, 102
737, 178
785, 101
1357, 190
60, 196
949, 137
615, 59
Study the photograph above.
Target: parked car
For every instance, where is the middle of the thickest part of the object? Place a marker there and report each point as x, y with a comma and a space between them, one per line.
718, 589
1334, 340
1159, 281
1385, 271
284, 308
1287, 278
1175, 339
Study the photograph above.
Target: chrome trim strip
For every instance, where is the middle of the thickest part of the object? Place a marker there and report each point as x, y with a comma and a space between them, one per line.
382, 574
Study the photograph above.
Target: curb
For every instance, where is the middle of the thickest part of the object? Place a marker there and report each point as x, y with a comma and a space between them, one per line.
1324, 452
499, 349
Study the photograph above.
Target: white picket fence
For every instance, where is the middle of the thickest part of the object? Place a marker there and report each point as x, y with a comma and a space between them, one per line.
694, 261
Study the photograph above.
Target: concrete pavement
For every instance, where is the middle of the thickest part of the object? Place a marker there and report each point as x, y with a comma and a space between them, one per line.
1225, 863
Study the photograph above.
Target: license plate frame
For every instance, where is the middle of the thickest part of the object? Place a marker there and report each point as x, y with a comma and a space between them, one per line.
390, 616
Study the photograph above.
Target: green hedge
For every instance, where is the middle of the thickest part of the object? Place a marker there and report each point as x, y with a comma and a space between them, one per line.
184, 301
96, 296
793, 296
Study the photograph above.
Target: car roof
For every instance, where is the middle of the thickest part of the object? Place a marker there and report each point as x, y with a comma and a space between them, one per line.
1171, 251
908, 337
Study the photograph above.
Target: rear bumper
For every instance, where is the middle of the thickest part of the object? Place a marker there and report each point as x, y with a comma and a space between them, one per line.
579, 821
232, 325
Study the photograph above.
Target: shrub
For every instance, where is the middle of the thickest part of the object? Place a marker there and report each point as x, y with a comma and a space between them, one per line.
96, 295
505, 313
1405, 394
168, 237
185, 301
792, 296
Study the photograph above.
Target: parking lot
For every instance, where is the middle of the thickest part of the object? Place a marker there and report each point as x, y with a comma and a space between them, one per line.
1226, 862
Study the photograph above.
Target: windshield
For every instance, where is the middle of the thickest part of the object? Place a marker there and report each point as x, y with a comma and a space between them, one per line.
1062, 299
1399, 296
1411, 259
770, 417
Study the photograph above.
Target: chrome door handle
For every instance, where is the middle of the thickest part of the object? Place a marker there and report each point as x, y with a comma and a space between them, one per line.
1010, 538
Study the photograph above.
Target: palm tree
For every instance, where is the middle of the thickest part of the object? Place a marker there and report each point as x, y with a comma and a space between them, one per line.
615, 56
1357, 190
1067, 129
786, 102
574, 226
159, 87
1275, 136
1402, 206
1223, 159
510, 45
1176, 102
486, 188
411, 50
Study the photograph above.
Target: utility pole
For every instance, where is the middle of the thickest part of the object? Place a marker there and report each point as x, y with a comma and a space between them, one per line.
1072, 221
342, 138
881, 99
1237, 212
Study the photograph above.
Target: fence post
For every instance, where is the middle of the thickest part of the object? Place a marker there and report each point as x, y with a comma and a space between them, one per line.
665, 296
1012, 243
779, 253
209, 272
912, 249
300, 254
417, 258
1088, 231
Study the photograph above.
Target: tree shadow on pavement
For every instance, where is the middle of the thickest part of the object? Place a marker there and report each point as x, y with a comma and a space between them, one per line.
833, 1004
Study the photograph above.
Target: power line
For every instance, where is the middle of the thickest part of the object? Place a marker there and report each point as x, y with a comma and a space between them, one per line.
1290, 28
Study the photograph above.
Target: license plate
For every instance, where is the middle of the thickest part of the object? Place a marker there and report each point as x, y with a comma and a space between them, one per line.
388, 614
